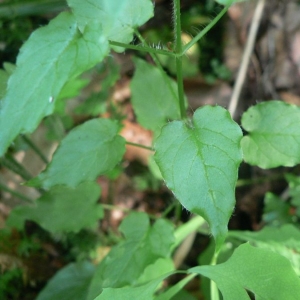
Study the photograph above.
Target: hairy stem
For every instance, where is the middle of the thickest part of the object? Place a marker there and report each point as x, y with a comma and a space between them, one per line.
142, 48
178, 51
204, 31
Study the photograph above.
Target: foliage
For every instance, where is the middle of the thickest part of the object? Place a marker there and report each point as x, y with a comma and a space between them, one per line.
197, 157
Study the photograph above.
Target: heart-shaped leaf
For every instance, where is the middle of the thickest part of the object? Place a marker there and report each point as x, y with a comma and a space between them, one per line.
199, 163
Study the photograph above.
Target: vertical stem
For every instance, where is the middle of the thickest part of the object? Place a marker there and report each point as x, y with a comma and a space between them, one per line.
214, 292
178, 50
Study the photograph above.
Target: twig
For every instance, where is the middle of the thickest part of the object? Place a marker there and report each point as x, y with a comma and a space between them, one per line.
246, 57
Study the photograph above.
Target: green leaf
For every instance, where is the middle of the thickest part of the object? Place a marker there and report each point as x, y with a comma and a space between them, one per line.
89, 150
118, 18
144, 291
266, 274
283, 240
274, 135
127, 261
70, 283
199, 163
62, 209
154, 96
52, 55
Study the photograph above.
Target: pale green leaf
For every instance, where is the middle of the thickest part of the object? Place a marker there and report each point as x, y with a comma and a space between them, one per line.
159, 267
283, 240
199, 163
52, 55
69, 283
266, 274
153, 96
144, 291
62, 209
118, 18
274, 134
127, 261
89, 150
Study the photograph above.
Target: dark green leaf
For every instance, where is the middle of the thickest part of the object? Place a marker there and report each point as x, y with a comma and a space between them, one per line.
87, 151
266, 274
69, 283
274, 135
200, 162
62, 209
52, 55
154, 96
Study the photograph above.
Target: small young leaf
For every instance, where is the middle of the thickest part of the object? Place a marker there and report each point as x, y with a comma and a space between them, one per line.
200, 163
266, 274
70, 283
62, 209
118, 18
154, 96
89, 150
52, 55
274, 135
127, 261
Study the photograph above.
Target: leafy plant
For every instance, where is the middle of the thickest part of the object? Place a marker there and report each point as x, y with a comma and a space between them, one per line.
198, 159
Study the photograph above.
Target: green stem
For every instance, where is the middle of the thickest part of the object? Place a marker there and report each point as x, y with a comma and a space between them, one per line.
214, 292
178, 51
9, 162
35, 149
205, 30
14, 193
140, 146
142, 48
